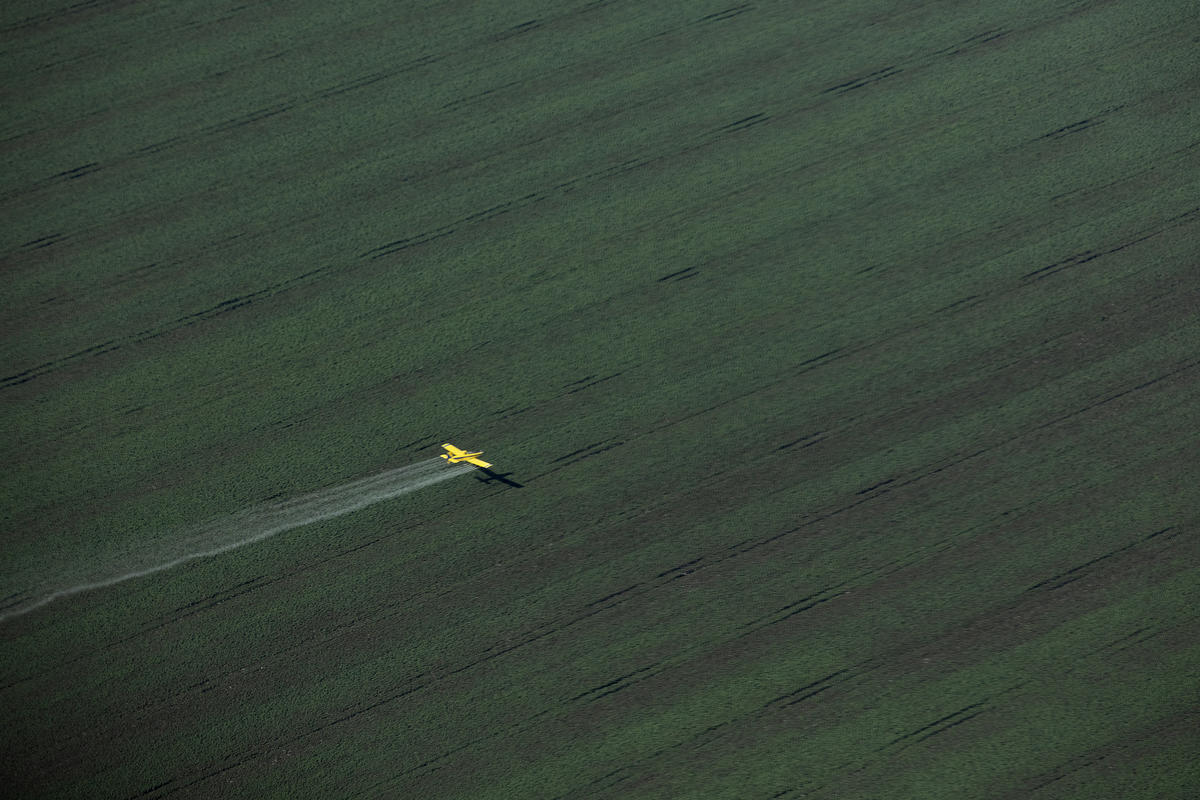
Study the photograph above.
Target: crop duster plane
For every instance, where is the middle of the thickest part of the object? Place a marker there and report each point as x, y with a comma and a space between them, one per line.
456, 455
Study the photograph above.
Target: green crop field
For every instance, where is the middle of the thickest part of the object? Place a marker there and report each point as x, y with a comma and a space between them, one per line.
841, 358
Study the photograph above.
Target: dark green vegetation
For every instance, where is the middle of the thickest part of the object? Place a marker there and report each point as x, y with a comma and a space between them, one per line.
847, 352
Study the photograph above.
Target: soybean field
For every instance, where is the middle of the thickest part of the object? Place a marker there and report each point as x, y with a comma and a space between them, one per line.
839, 363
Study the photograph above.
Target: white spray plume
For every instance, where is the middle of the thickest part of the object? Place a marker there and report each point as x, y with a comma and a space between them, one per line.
236, 530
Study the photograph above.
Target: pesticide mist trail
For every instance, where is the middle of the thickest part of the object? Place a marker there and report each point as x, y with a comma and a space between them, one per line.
235, 530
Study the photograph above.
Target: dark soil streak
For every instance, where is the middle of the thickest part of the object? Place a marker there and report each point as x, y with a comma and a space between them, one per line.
1063, 578
44, 241
63, 14
1129, 640
391, 248
250, 117
246, 758
12, 600
951, 725
223, 595
744, 123
1182, 727
938, 722
973, 42
790, 696
356, 83
683, 273
679, 567
1081, 125
798, 607
1085, 256
593, 383
479, 95
155, 788
515, 413
1114, 396
577, 452
728, 13
875, 486
517, 30
865, 80
586, 452
966, 300
815, 359
79, 172
596, 782
624, 680
614, 594
803, 439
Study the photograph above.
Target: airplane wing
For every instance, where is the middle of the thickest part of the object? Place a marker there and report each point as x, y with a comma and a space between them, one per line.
454, 451
478, 462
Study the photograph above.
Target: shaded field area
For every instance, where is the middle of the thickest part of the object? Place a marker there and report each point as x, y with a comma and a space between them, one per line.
846, 355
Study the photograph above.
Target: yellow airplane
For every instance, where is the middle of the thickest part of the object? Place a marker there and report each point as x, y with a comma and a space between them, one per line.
454, 455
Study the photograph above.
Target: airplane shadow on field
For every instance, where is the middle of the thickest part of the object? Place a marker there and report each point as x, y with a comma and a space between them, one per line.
497, 476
